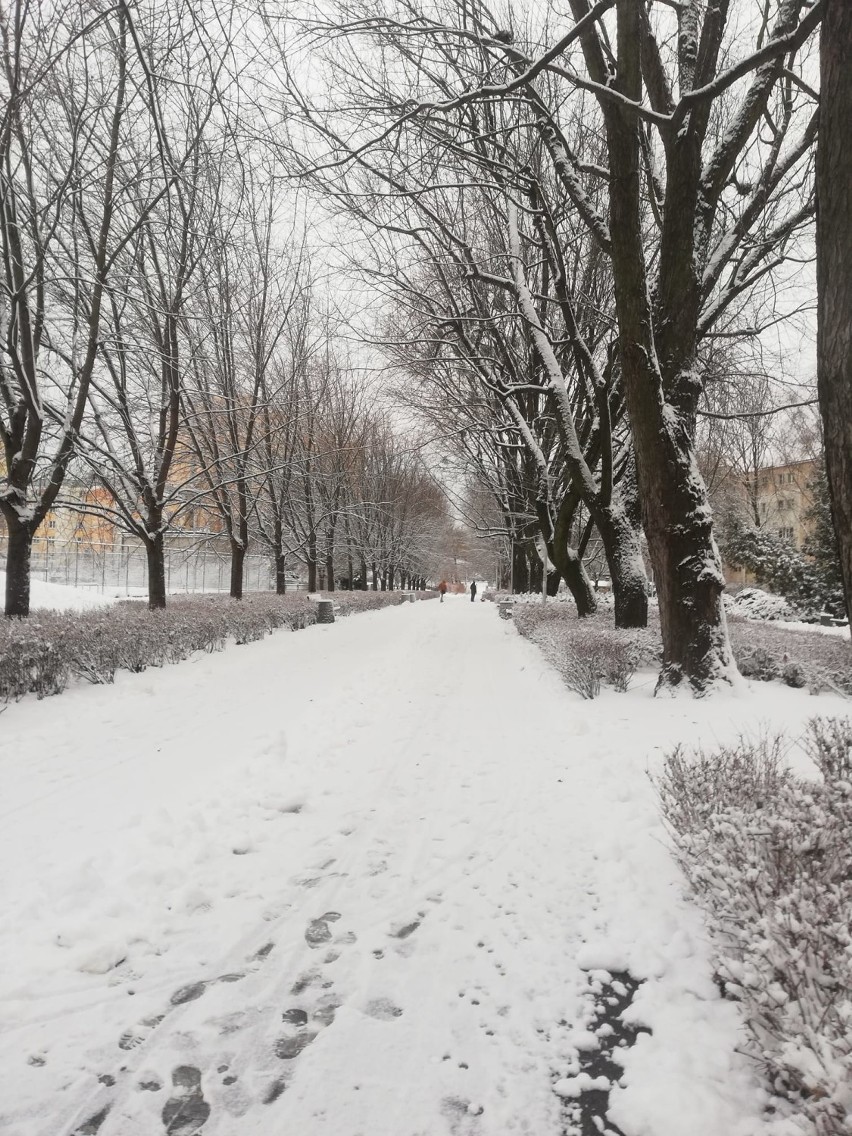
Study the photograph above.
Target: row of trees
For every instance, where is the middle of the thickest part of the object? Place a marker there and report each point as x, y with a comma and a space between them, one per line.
574, 217
161, 331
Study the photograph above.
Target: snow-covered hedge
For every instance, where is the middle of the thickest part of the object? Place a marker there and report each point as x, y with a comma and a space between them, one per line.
40, 654
755, 603
799, 658
769, 857
589, 652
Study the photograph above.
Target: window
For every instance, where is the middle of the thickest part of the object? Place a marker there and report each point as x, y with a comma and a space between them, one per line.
785, 534
51, 524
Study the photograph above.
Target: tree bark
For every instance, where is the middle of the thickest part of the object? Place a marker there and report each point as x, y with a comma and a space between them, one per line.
569, 562
627, 572
155, 552
834, 281
280, 574
312, 562
536, 568
675, 510
520, 569
20, 543
329, 571
238, 560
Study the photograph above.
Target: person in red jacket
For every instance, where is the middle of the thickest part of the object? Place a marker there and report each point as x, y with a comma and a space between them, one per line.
442, 588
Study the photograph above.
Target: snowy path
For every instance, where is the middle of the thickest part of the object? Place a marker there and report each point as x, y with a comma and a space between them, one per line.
351, 881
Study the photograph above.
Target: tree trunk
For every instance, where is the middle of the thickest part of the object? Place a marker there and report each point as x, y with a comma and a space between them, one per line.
364, 584
155, 552
329, 571
520, 569
675, 510
536, 568
578, 584
20, 543
834, 282
391, 575
626, 570
312, 562
375, 577
280, 574
569, 562
238, 560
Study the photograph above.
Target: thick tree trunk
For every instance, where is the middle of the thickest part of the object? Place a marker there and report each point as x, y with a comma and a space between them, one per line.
391, 575
375, 577
238, 560
329, 571
578, 583
520, 569
364, 584
280, 574
675, 510
155, 552
626, 570
834, 281
569, 562
20, 543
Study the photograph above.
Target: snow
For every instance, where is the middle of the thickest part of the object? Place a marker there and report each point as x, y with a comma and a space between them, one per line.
369, 874
59, 597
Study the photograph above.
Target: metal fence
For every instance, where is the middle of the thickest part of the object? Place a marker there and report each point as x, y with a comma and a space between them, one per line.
122, 568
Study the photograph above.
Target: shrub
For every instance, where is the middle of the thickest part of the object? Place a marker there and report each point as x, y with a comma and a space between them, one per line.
35, 658
38, 655
799, 658
769, 857
758, 664
587, 652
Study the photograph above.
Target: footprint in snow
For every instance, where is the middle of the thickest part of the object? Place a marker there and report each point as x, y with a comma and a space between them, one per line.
130, 1039
406, 930
318, 930
286, 1048
187, 1110
91, 1126
188, 993
295, 1017
383, 1010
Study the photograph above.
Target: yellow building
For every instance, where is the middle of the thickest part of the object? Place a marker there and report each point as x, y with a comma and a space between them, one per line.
777, 500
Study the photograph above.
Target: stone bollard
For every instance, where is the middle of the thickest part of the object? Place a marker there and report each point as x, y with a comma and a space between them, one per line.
325, 611
505, 608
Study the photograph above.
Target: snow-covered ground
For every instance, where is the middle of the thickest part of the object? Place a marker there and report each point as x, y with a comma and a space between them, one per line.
356, 881
60, 597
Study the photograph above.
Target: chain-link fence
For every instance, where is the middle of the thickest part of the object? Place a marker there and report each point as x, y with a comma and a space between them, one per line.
122, 568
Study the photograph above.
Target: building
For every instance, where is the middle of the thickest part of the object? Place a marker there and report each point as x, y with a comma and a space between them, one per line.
778, 500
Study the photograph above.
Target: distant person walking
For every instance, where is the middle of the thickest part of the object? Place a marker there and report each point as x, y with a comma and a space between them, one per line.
473, 591
442, 588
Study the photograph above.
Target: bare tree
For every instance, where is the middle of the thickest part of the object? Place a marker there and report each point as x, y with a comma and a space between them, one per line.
706, 185
248, 290
63, 216
834, 255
